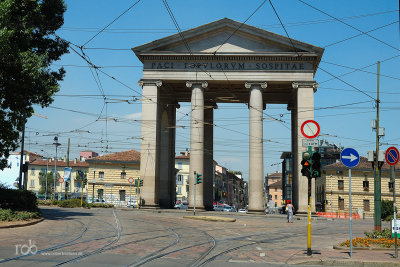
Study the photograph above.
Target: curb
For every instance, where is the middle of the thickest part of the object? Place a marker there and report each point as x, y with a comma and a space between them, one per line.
210, 218
347, 263
22, 224
361, 248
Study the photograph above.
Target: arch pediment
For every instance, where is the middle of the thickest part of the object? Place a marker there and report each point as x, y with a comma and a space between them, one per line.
227, 37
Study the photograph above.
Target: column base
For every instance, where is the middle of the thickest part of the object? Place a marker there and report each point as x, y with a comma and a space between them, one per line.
256, 211
149, 207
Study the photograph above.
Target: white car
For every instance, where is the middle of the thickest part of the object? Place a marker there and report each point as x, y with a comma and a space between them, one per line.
242, 211
132, 203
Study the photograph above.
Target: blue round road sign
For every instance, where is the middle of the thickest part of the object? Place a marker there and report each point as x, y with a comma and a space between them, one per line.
350, 157
392, 155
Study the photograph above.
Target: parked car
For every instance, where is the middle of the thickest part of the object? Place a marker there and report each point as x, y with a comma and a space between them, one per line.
218, 207
181, 206
282, 210
229, 208
132, 203
242, 211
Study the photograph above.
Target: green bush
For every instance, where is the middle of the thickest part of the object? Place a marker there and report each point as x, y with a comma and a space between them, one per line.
387, 209
386, 233
71, 203
17, 199
11, 215
101, 205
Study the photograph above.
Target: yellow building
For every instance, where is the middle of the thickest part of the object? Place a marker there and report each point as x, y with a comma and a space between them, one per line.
108, 177
38, 167
332, 189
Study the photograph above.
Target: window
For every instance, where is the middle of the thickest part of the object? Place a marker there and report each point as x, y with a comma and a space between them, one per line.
366, 185
33, 171
100, 194
276, 196
341, 203
366, 205
32, 183
179, 179
276, 189
121, 195
340, 184
276, 204
78, 184
123, 175
101, 175
391, 186
180, 165
179, 190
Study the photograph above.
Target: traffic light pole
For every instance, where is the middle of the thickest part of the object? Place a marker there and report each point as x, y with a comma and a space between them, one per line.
195, 183
309, 252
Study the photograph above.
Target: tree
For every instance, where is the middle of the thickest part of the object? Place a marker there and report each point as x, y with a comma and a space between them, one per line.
50, 182
28, 46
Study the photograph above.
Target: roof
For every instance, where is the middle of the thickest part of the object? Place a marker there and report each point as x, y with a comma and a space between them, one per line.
277, 184
275, 175
60, 163
183, 156
132, 156
26, 152
364, 165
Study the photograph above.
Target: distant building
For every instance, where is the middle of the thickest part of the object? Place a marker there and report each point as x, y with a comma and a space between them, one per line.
332, 189
273, 182
108, 177
38, 168
87, 154
182, 176
10, 174
330, 153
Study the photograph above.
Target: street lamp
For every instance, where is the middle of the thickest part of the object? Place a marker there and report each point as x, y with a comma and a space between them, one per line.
57, 144
47, 167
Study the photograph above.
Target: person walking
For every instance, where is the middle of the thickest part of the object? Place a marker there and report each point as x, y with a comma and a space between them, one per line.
289, 211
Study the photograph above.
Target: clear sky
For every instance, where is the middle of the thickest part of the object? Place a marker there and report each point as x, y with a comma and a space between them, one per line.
111, 123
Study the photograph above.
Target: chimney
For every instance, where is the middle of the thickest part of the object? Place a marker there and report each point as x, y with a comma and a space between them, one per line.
75, 160
186, 152
65, 159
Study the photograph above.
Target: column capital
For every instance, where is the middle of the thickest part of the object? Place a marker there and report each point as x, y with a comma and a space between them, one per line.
203, 84
305, 84
157, 83
248, 85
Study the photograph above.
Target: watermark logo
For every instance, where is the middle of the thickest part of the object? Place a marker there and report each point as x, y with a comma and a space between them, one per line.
26, 249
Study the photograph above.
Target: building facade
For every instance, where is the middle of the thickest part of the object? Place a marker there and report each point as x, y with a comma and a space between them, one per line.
182, 176
274, 196
36, 175
332, 188
108, 177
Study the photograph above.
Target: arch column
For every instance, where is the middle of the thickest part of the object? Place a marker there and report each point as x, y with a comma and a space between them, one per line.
209, 169
256, 167
303, 110
150, 153
196, 142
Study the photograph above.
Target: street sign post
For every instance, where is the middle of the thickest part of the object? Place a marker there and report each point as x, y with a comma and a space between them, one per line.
392, 157
130, 180
350, 158
310, 142
310, 129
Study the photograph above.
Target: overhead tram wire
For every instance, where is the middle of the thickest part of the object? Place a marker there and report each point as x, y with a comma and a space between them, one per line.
361, 34
233, 33
110, 23
283, 26
367, 66
347, 24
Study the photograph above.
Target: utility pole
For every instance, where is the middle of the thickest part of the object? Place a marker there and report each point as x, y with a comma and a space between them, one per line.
21, 160
67, 183
377, 173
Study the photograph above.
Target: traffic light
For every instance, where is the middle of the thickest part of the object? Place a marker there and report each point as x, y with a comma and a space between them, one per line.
140, 182
306, 164
136, 182
316, 165
198, 178
84, 181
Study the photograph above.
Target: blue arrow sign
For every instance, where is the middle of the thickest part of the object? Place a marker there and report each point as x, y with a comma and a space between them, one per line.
350, 157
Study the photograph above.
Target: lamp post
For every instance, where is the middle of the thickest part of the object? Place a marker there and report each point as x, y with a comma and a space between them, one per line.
57, 144
47, 168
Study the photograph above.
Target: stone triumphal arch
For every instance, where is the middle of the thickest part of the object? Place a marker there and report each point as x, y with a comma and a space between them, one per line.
220, 62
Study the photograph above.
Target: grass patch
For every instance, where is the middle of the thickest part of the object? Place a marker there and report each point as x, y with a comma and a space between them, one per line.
14, 215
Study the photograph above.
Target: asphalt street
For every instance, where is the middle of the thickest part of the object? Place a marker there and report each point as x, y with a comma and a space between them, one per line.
130, 237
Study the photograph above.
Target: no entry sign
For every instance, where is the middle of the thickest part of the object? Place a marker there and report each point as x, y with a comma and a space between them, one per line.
392, 156
130, 180
310, 129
